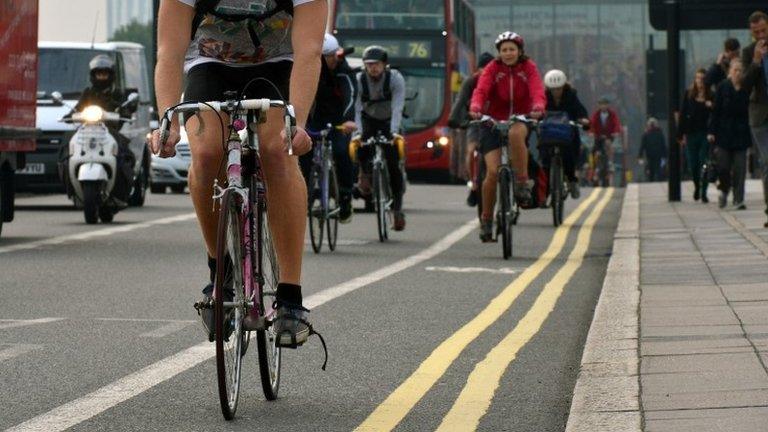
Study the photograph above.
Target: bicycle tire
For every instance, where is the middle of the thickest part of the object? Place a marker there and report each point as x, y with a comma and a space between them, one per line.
270, 354
378, 202
504, 217
332, 218
556, 190
604, 171
387, 189
228, 321
315, 211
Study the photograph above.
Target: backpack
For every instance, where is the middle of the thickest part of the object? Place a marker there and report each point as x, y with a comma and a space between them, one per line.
205, 7
555, 129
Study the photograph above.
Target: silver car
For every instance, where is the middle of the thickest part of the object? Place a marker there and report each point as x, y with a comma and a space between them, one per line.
171, 172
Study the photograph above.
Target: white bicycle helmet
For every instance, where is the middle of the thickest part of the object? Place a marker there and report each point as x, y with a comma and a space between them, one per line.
555, 79
510, 36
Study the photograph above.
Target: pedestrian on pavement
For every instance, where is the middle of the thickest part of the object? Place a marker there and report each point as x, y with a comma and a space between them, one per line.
729, 132
755, 80
719, 69
692, 130
654, 148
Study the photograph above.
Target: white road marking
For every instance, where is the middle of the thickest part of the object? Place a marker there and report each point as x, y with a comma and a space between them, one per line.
16, 350
96, 233
503, 270
13, 323
90, 405
171, 327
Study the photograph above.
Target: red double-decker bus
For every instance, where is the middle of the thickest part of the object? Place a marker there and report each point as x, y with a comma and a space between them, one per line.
432, 43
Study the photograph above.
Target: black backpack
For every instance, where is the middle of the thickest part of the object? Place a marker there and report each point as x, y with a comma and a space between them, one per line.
205, 7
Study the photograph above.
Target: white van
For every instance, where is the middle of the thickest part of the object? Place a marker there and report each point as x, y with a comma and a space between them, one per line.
63, 67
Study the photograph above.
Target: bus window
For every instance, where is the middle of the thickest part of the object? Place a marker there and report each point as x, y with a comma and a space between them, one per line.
428, 85
391, 14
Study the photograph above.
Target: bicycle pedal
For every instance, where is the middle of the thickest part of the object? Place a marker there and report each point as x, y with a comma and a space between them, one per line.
203, 304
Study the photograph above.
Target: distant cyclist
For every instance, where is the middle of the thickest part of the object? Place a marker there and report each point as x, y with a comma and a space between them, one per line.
459, 118
509, 85
379, 109
561, 96
335, 105
606, 128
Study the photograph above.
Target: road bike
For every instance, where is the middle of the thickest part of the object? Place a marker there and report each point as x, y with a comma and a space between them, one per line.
323, 210
382, 191
601, 176
557, 182
247, 271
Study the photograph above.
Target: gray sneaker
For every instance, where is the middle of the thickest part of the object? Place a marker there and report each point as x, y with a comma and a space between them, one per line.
573, 189
486, 231
291, 326
739, 206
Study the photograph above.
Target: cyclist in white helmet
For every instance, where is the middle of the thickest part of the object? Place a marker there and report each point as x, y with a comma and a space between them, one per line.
561, 96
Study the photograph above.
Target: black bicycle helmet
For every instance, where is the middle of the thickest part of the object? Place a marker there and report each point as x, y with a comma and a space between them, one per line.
375, 53
102, 63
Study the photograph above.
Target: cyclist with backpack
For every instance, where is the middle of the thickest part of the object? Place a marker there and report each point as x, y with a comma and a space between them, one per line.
379, 109
265, 49
509, 85
562, 97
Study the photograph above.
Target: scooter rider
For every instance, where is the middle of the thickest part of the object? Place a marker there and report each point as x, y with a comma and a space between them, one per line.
103, 93
379, 109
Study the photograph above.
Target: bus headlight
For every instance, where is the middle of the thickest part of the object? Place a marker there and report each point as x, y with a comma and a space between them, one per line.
92, 113
443, 141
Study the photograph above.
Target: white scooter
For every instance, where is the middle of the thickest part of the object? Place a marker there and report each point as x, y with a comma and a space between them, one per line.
93, 161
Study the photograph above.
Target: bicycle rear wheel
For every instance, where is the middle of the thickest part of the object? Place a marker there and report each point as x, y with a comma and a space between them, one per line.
504, 218
332, 219
315, 210
380, 201
228, 315
269, 272
557, 193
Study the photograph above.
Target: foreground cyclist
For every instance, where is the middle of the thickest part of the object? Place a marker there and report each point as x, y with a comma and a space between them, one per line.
335, 105
508, 85
220, 45
561, 96
379, 109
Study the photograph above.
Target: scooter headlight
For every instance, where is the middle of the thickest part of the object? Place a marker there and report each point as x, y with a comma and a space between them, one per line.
92, 113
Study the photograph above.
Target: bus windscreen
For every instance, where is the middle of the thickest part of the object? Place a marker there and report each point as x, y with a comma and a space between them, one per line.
391, 14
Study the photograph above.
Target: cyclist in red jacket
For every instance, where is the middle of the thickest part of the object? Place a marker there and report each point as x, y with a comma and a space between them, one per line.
509, 85
605, 127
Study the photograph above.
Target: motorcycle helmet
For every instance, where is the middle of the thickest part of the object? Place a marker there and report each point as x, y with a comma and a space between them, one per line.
375, 53
102, 63
555, 79
510, 36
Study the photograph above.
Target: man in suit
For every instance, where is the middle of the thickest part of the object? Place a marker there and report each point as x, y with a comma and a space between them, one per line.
755, 81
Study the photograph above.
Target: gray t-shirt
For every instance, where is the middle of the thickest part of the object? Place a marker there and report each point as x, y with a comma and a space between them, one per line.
241, 43
392, 110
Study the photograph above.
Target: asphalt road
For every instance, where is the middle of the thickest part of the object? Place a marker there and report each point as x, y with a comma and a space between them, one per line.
97, 329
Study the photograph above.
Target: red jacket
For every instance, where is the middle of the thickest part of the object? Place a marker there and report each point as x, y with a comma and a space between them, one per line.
493, 91
612, 124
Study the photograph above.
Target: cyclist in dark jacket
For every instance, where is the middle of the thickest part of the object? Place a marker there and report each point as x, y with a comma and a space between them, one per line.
729, 131
335, 105
561, 96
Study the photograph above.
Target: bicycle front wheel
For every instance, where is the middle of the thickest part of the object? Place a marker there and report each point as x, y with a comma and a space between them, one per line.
504, 218
380, 201
229, 303
557, 192
316, 212
332, 218
269, 272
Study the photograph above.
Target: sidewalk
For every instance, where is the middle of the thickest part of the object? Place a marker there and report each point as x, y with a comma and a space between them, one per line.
701, 347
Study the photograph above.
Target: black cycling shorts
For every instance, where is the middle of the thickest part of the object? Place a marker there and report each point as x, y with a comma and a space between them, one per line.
209, 81
490, 139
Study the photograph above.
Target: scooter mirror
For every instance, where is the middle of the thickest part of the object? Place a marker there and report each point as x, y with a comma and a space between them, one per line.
57, 97
133, 97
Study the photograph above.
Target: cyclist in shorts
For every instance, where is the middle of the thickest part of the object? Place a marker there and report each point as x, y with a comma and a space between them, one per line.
509, 85
209, 47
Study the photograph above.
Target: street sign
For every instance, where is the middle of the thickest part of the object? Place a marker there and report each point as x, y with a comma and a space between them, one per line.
707, 14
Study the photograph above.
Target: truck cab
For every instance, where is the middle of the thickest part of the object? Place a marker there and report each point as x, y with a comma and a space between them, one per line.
63, 68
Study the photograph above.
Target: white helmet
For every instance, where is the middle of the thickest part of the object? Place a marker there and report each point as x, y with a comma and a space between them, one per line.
330, 44
555, 79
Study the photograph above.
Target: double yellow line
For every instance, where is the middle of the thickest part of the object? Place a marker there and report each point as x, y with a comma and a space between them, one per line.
475, 398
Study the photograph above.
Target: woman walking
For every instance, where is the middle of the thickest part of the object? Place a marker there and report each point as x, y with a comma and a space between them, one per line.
729, 131
692, 131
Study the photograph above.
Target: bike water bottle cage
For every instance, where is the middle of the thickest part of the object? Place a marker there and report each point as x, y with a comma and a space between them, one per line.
206, 7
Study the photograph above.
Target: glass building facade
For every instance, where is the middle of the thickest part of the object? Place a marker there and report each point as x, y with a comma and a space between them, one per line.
600, 44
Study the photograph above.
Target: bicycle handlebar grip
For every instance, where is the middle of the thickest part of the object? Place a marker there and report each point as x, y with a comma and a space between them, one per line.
165, 127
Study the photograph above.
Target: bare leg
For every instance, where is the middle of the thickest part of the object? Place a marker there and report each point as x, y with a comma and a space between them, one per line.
518, 150
287, 198
489, 183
